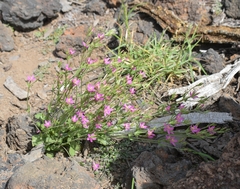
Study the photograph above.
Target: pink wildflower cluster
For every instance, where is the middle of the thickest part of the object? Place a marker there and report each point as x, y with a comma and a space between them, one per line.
83, 119
195, 129
130, 108
129, 79
95, 88
91, 137
169, 129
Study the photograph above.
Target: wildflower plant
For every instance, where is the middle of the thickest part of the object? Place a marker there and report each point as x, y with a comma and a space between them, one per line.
118, 102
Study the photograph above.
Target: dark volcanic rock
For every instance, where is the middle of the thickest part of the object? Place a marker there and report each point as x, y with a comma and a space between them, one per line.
29, 14
221, 174
52, 173
212, 62
6, 40
159, 168
96, 6
232, 8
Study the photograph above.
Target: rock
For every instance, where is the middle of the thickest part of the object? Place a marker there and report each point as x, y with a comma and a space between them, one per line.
29, 14
191, 11
17, 91
52, 173
95, 6
6, 40
232, 8
7, 167
212, 62
3, 145
72, 39
223, 173
34, 154
227, 104
159, 168
19, 133
66, 6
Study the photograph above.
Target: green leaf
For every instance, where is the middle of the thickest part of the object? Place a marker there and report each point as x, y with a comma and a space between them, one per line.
36, 139
71, 151
39, 116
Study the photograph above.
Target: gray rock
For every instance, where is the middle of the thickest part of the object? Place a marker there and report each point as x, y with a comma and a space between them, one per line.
212, 61
6, 40
223, 173
95, 6
52, 173
17, 91
159, 168
66, 6
29, 14
232, 8
19, 133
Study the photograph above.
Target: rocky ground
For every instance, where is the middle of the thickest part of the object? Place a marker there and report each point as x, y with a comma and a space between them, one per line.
35, 35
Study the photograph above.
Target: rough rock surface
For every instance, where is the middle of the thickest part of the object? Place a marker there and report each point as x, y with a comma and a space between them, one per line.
29, 14
188, 10
223, 173
232, 8
212, 61
159, 168
72, 39
6, 40
52, 173
19, 133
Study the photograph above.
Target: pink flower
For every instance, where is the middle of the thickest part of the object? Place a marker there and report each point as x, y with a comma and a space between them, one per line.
195, 129
143, 126
107, 60
98, 126
129, 108
75, 118
69, 100
181, 106
193, 94
95, 166
168, 128
109, 124
90, 61
142, 73
31, 78
179, 118
97, 85
150, 133
80, 113
47, 123
132, 91
168, 108
91, 88
100, 36
211, 130
171, 139
129, 79
76, 81
91, 137
99, 97
84, 121
119, 60
113, 69
85, 45
127, 126
71, 51
67, 68
107, 110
